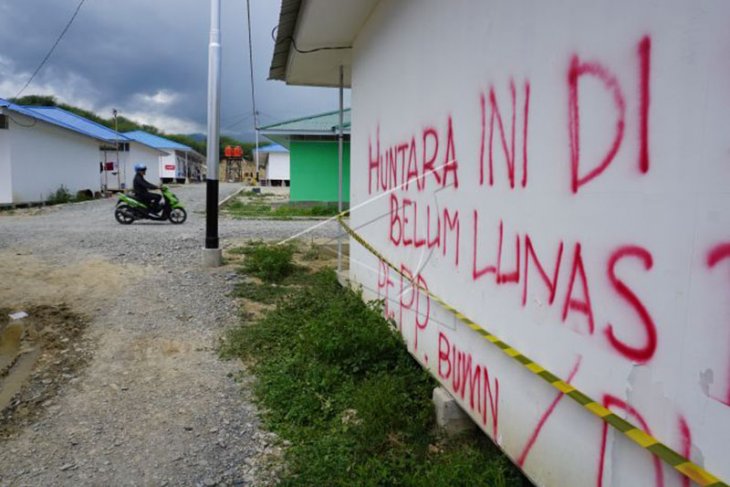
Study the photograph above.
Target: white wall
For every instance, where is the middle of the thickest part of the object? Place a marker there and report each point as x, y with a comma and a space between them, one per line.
168, 165
6, 195
633, 97
278, 166
174, 165
44, 157
144, 154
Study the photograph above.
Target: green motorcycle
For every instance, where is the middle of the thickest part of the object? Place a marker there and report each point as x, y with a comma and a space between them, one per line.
129, 209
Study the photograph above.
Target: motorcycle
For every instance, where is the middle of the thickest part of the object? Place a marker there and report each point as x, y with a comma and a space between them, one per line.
129, 209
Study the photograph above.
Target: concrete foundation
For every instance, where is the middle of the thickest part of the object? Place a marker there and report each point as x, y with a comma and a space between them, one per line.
212, 257
449, 414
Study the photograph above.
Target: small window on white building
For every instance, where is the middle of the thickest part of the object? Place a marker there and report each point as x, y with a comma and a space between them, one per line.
3, 121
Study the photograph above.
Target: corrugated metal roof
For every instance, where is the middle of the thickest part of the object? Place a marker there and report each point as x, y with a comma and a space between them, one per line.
29, 112
71, 121
324, 123
272, 148
284, 34
156, 141
78, 123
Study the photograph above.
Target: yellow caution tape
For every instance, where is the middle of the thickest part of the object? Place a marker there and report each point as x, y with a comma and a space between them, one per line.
683, 465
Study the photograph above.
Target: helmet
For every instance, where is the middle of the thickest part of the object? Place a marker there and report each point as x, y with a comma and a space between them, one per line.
139, 167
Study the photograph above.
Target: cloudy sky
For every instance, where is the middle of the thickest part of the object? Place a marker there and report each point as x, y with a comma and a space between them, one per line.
148, 59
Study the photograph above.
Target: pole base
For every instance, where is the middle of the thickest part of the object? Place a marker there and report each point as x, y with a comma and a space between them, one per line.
212, 257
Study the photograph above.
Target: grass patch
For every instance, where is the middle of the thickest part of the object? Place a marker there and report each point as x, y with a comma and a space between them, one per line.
269, 262
335, 380
270, 292
258, 207
62, 195
264, 293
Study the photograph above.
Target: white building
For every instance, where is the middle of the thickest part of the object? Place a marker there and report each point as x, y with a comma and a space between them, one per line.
558, 172
38, 155
118, 154
277, 165
179, 163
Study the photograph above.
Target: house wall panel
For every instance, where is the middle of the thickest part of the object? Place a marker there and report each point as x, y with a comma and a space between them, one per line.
44, 157
558, 172
278, 166
314, 171
6, 195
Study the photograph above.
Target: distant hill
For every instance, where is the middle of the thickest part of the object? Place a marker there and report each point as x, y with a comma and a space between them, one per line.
123, 124
198, 137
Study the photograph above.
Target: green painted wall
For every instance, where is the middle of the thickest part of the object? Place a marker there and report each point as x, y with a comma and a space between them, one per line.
313, 171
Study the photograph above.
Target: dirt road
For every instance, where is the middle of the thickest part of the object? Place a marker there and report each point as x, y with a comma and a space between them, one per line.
126, 387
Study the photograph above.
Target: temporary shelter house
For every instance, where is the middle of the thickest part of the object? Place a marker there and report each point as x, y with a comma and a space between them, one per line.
546, 180
313, 155
39, 154
180, 163
276, 159
118, 154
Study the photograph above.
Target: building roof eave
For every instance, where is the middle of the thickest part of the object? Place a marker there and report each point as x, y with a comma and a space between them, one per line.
315, 38
288, 16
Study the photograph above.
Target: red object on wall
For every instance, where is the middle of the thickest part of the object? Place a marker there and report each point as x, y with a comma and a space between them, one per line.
169, 167
109, 166
228, 151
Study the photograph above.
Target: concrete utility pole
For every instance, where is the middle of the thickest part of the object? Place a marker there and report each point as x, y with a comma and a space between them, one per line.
253, 90
339, 168
212, 256
121, 179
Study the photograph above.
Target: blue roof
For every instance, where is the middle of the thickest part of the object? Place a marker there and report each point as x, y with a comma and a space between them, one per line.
272, 148
78, 123
71, 121
29, 112
156, 141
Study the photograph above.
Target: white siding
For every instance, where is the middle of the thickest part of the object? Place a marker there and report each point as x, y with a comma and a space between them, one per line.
6, 194
632, 299
278, 166
44, 157
144, 154
168, 165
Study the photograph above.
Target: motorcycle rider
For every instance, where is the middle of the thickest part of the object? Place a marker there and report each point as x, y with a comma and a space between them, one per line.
142, 187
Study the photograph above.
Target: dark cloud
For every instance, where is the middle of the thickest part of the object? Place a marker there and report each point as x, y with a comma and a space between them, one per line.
149, 58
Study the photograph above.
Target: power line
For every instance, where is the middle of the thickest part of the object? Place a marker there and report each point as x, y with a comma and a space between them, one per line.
253, 89
250, 60
40, 66
305, 51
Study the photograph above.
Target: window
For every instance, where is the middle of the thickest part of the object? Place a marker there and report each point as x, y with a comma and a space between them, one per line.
123, 147
3, 121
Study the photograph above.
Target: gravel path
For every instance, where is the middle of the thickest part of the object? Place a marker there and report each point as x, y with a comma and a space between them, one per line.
155, 405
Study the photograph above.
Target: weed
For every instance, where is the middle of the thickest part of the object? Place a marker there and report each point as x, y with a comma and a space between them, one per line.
336, 381
256, 194
314, 252
259, 207
60, 196
269, 262
237, 250
269, 292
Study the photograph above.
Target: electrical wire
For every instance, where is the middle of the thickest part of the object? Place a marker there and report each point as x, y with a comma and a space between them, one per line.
316, 49
32, 124
250, 60
237, 121
306, 51
48, 55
